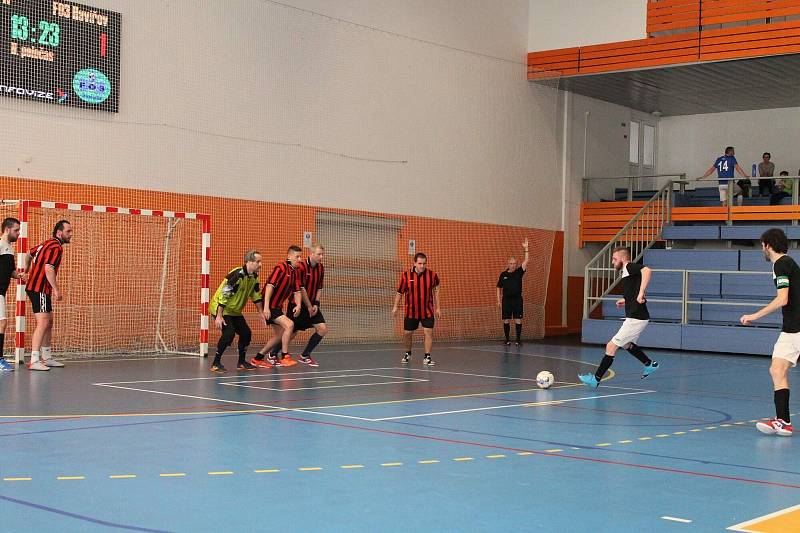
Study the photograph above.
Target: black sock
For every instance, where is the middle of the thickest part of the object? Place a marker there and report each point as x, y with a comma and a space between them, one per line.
507, 330
242, 354
782, 404
315, 339
2, 343
274, 352
217, 359
259, 356
605, 364
518, 328
637, 352
408, 353
428, 355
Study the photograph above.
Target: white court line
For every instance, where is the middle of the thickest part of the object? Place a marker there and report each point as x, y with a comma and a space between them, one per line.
527, 404
674, 519
263, 406
397, 381
312, 373
744, 525
278, 378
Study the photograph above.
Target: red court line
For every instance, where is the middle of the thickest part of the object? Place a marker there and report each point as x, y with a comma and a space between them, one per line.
534, 452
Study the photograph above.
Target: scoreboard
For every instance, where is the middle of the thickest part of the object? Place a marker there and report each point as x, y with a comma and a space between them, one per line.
61, 53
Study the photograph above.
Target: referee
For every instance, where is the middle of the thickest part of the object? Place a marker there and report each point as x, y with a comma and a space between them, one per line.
509, 295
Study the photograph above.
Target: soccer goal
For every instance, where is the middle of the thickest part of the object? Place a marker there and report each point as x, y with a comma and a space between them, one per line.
131, 279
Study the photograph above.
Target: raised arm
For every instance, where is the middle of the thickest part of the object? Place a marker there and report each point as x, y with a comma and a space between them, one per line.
527, 255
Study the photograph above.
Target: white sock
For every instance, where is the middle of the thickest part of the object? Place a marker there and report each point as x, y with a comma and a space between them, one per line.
34, 357
46, 353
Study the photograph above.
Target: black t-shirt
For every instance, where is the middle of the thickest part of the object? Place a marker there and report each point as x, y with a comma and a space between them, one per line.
511, 283
631, 282
786, 275
7, 266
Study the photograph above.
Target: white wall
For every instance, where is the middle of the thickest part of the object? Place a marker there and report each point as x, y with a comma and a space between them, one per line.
605, 127
415, 107
691, 143
567, 23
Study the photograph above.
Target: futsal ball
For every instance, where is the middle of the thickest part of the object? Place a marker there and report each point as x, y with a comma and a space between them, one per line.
545, 379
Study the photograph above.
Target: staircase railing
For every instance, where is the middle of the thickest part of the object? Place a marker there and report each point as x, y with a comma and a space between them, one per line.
639, 234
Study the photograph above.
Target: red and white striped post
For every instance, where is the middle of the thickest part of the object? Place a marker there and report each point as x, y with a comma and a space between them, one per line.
205, 291
19, 308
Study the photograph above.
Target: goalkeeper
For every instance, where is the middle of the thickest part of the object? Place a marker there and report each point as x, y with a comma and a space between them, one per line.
226, 306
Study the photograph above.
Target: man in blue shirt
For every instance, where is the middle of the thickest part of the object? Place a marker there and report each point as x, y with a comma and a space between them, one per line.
724, 165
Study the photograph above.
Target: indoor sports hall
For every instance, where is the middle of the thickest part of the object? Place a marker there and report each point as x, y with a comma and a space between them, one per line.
223, 222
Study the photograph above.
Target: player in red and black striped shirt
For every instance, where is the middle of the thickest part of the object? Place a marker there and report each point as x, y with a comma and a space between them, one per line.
312, 276
42, 288
283, 283
420, 287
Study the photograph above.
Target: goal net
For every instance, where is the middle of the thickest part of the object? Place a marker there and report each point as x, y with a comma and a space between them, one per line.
134, 281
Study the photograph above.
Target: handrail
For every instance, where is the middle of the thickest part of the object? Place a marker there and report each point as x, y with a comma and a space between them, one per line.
631, 179
684, 298
639, 234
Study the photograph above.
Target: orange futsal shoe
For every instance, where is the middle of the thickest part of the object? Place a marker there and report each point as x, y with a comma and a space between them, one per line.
287, 360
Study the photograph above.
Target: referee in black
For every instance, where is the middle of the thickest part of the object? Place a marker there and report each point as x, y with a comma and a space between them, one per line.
509, 295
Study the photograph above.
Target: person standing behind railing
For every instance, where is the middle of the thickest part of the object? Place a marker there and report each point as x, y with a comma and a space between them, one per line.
766, 169
783, 189
724, 165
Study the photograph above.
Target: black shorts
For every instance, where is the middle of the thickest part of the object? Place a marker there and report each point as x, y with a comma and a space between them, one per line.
40, 302
275, 314
411, 324
304, 320
512, 307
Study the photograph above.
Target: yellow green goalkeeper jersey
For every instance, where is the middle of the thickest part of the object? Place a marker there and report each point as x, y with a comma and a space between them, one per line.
234, 291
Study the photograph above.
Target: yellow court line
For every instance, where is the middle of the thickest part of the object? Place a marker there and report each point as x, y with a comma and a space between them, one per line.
554, 450
17, 479
122, 476
679, 433
464, 459
221, 473
428, 462
310, 468
662, 435
70, 478
351, 466
176, 474
525, 453
624, 441
391, 464
266, 471
496, 456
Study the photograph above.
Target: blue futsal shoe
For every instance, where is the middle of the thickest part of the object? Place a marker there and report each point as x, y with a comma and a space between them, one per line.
589, 380
5, 366
649, 369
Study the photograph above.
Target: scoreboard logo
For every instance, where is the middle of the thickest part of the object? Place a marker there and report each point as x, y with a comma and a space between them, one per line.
91, 86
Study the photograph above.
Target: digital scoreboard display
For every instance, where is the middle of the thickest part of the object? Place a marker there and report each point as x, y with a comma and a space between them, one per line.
61, 53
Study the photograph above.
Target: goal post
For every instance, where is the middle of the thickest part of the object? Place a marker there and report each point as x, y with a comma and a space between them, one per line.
131, 279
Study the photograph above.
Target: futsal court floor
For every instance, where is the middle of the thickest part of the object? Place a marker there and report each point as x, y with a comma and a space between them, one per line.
365, 444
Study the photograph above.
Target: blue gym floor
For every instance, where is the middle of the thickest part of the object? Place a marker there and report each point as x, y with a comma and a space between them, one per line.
363, 444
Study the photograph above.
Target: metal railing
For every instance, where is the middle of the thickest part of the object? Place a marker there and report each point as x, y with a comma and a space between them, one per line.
639, 234
684, 300
730, 199
633, 184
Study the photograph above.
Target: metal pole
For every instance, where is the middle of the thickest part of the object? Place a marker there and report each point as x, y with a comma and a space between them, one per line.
730, 202
685, 296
